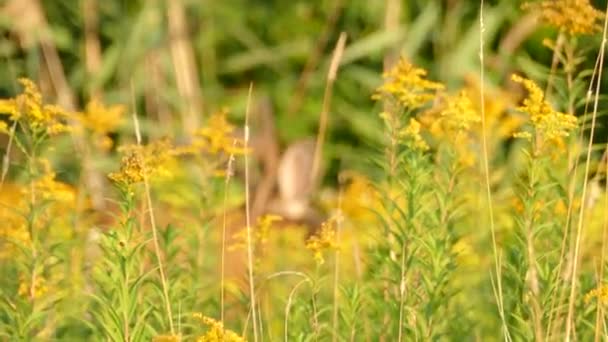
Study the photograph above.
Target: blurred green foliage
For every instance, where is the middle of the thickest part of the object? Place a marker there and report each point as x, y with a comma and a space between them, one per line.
269, 43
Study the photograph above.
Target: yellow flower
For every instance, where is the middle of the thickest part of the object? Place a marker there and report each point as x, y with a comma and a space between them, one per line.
9, 106
4, 128
29, 109
13, 230
47, 188
601, 293
217, 136
26, 289
548, 124
141, 161
452, 116
573, 16
102, 120
458, 112
322, 241
216, 332
408, 85
412, 135
359, 198
260, 232
500, 124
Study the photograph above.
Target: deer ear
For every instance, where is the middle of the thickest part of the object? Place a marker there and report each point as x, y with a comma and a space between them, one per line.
294, 172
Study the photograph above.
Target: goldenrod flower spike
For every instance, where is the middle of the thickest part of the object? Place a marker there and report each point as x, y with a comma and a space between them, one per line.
548, 123
322, 241
216, 332
29, 109
411, 133
407, 85
152, 158
575, 17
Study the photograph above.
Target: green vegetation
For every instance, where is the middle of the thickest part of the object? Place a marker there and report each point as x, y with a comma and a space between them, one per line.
302, 171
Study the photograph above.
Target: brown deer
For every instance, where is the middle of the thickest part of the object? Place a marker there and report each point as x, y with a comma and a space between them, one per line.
280, 184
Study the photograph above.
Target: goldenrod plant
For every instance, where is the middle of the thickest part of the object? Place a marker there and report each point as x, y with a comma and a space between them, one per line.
209, 171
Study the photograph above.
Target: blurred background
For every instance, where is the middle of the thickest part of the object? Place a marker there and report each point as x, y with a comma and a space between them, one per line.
181, 60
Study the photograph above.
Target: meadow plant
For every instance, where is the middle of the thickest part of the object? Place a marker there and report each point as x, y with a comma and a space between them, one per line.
480, 215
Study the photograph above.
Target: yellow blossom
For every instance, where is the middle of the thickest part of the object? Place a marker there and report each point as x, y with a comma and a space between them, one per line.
322, 241
216, 332
29, 109
412, 135
601, 293
9, 106
260, 232
359, 198
452, 116
500, 123
141, 161
101, 120
458, 112
408, 85
13, 230
573, 16
25, 286
217, 136
48, 188
4, 128
548, 124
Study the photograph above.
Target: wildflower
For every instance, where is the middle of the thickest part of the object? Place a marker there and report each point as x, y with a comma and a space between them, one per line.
4, 128
27, 290
48, 188
407, 84
13, 230
29, 109
573, 16
216, 332
548, 124
412, 135
452, 116
143, 161
601, 293
217, 136
260, 233
101, 120
359, 198
458, 112
323, 240
500, 124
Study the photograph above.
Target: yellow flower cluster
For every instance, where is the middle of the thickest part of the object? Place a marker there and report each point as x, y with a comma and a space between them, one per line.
601, 293
548, 124
573, 16
458, 113
101, 120
15, 201
29, 110
143, 161
218, 136
322, 241
27, 290
47, 187
411, 133
359, 198
260, 232
216, 332
408, 85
